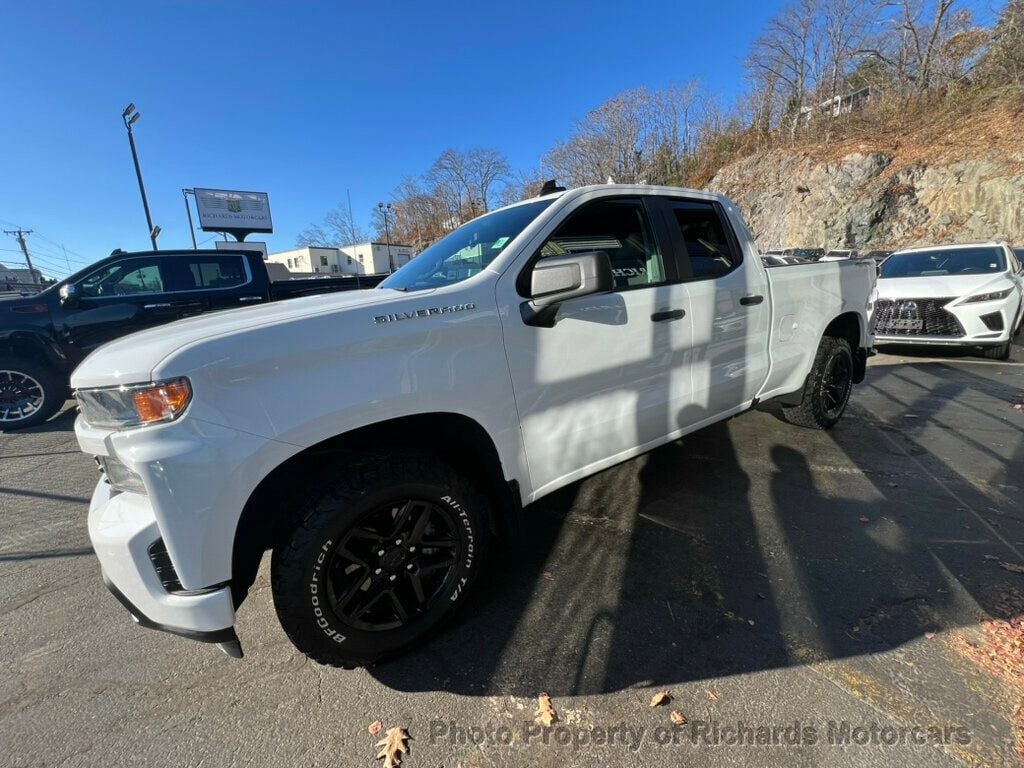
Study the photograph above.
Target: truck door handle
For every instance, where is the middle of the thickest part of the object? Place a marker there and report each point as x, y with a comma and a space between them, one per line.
164, 305
668, 314
747, 301
251, 298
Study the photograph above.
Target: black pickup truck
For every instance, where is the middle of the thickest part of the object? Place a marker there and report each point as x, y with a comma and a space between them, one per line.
44, 336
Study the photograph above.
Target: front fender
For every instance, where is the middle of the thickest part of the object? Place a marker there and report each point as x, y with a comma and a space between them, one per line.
35, 344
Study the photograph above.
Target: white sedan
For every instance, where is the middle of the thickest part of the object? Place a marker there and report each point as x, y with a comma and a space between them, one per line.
963, 295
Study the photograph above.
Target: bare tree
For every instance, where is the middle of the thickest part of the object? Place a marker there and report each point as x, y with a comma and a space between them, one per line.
913, 36
1003, 61
846, 28
636, 136
788, 53
337, 230
457, 187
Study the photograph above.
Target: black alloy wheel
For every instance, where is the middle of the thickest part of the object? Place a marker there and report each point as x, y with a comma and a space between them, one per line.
836, 383
393, 565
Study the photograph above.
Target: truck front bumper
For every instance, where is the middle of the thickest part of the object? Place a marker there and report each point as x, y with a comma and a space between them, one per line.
123, 530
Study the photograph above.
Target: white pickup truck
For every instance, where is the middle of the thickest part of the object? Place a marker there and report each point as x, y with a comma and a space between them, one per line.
379, 441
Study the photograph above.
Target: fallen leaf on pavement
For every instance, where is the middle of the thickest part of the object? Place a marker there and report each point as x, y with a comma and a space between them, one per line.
991, 557
545, 714
548, 575
929, 635
1012, 567
661, 697
374, 727
865, 519
393, 747
677, 717
712, 695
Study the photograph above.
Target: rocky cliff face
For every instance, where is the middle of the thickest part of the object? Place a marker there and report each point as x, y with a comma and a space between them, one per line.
878, 199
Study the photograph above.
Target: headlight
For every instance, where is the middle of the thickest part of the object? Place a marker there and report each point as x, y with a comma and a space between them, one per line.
995, 296
135, 405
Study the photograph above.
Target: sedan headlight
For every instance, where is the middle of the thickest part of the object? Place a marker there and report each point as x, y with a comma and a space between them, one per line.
995, 296
135, 405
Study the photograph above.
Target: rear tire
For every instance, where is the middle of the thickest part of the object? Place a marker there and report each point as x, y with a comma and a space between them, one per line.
828, 386
379, 557
30, 393
1001, 352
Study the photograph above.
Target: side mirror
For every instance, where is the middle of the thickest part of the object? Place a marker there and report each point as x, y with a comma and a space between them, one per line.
68, 295
560, 278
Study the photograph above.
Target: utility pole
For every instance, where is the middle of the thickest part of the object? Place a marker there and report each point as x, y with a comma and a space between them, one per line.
19, 235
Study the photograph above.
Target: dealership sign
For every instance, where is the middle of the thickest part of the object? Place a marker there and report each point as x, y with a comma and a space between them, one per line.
239, 213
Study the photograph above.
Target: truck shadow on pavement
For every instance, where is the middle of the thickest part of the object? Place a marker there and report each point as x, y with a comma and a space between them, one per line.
699, 560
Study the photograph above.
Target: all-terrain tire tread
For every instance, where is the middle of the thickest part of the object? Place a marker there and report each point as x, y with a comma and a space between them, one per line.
321, 503
809, 413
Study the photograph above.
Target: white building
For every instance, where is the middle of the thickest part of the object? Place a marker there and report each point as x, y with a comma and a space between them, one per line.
361, 259
377, 258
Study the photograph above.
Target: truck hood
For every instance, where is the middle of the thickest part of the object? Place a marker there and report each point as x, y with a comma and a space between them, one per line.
131, 359
939, 286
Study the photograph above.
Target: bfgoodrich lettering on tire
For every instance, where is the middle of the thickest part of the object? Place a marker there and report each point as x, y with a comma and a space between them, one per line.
379, 557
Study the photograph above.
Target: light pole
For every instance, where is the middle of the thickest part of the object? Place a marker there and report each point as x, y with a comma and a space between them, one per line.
385, 210
188, 212
130, 116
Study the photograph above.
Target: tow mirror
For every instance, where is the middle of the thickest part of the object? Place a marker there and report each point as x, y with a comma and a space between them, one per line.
68, 295
560, 278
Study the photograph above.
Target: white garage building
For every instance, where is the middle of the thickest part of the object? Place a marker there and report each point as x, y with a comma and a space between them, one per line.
361, 259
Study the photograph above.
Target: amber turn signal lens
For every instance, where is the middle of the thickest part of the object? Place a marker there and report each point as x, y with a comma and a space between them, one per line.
162, 402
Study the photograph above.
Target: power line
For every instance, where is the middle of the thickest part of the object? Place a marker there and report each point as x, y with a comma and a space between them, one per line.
84, 259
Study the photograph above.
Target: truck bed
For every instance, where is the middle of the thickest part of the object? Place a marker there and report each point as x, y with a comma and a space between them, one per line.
304, 286
802, 294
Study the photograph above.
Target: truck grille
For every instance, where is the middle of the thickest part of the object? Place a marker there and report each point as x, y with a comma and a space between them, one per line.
895, 317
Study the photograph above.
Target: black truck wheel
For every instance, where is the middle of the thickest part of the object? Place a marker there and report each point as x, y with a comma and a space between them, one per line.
379, 556
30, 393
828, 386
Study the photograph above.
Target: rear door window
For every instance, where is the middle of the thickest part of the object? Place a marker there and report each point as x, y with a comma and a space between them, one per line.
707, 246
206, 272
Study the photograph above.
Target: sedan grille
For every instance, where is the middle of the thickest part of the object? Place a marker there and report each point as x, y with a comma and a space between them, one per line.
915, 317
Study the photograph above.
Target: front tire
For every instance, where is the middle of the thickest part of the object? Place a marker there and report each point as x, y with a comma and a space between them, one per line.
379, 557
1000, 352
828, 386
30, 393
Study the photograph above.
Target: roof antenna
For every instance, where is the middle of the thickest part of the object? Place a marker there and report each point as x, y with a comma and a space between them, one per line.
550, 186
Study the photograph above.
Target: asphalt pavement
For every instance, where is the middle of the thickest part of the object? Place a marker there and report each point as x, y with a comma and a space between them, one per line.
805, 598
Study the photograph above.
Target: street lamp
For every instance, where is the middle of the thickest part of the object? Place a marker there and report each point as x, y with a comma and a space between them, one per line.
130, 116
384, 211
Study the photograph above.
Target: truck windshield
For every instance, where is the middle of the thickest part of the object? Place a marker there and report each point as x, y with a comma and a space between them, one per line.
467, 250
949, 261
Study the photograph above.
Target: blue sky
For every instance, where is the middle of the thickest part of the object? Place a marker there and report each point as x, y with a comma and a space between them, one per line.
307, 99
